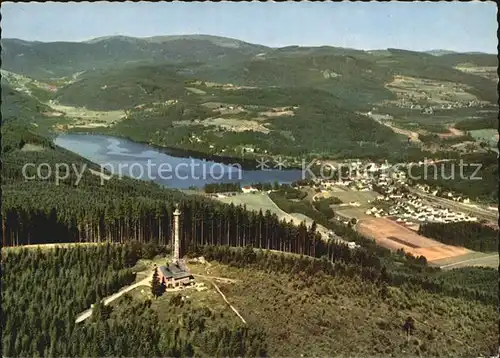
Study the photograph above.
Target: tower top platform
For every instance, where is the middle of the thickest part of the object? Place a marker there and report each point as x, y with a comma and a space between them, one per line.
177, 212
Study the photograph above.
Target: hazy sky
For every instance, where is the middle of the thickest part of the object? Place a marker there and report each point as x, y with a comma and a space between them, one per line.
417, 26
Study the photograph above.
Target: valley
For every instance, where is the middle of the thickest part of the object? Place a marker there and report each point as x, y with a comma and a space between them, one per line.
188, 105
204, 196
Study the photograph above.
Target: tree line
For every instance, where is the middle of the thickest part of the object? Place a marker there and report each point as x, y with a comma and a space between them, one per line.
222, 187
471, 235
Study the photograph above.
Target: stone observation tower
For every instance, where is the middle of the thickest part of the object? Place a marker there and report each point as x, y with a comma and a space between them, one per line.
177, 213
176, 273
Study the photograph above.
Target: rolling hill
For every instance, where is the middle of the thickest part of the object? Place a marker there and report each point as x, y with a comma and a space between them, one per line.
16, 105
123, 88
59, 59
328, 88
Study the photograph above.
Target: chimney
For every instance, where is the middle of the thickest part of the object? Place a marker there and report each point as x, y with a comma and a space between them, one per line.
177, 213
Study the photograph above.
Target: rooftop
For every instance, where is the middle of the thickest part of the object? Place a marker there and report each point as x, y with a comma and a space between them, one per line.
175, 271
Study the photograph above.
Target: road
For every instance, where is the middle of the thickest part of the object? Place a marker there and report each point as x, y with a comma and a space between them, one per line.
457, 206
382, 119
145, 282
216, 278
477, 261
229, 304
223, 279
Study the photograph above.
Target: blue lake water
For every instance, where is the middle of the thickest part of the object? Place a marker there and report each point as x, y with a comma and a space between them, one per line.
173, 168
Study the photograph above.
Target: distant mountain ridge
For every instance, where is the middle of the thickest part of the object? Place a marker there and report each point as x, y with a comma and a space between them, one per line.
217, 40
42, 60
439, 52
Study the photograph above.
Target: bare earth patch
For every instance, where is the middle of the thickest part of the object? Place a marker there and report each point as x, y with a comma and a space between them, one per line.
453, 132
89, 125
53, 114
362, 197
223, 86
196, 90
394, 236
279, 112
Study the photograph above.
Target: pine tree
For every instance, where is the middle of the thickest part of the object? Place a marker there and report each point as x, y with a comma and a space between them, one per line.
156, 285
384, 276
409, 326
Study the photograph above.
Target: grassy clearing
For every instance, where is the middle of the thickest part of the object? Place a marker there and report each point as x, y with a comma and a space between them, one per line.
256, 202
362, 197
488, 135
85, 118
431, 91
28, 147
263, 202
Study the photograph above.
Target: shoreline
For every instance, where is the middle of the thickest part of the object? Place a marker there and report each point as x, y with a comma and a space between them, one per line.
175, 153
246, 163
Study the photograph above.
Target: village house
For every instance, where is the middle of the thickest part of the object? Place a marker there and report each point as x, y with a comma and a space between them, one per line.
352, 245
175, 275
249, 189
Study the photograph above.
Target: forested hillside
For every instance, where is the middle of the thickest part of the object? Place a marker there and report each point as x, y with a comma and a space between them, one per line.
319, 126
477, 178
61, 59
45, 290
312, 298
123, 88
16, 105
122, 210
132, 214
302, 295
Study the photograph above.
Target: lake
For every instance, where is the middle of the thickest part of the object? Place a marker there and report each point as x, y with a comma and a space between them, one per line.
170, 167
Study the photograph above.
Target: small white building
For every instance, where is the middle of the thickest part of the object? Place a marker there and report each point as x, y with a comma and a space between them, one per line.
248, 189
352, 245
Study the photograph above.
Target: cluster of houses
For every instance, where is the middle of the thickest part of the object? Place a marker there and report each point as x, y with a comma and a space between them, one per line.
362, 176
430, 109
377, 212
411, 101
249, 190
245, 189
414, 210
443, 194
